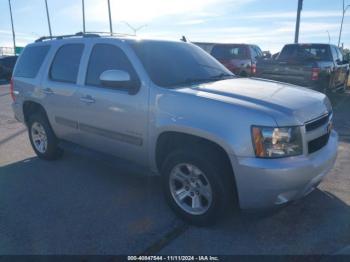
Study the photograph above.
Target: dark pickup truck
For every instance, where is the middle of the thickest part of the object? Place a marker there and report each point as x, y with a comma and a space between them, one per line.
318, 66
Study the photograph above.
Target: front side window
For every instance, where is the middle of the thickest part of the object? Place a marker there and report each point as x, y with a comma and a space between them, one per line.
171, 64
340, 55
31, 60
108, 57
65, 66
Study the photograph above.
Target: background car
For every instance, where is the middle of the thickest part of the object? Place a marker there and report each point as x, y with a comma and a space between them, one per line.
7, 64
319, 66
240, 59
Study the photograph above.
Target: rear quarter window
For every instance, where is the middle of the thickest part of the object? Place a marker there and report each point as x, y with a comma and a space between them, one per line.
30, 61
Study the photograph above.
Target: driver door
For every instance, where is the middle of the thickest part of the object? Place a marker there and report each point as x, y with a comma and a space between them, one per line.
111, 119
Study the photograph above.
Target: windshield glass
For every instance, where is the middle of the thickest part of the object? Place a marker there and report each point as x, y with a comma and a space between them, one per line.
171, 64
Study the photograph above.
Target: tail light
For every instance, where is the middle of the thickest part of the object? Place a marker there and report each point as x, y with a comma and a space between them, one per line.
315, 72
253, 69
12, 90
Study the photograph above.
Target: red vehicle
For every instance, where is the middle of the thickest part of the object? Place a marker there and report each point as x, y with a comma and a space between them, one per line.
240, 59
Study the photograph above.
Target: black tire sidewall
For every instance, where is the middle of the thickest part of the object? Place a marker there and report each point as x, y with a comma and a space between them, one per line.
213, 175
52, 151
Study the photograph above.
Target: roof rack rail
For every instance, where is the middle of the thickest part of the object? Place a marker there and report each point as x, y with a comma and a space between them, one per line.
43, 38
108, 33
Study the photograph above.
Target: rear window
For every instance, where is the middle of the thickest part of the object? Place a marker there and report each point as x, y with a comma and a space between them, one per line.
306, 52
65, 65
30, 61
229, 52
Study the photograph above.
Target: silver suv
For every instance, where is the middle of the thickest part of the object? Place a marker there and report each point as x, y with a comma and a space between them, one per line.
216, 140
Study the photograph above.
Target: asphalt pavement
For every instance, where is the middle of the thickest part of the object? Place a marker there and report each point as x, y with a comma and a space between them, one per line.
87, 203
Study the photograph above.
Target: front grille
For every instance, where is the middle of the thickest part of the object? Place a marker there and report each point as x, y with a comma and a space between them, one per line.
317, 123
318, 143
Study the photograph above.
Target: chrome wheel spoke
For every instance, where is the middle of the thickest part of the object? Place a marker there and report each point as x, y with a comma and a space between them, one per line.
190, 188
39, 137
196, 202
182, 194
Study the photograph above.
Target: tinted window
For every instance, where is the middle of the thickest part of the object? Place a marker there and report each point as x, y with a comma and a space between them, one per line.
340, 55
287, 52
258, 51
65, 65
305, 52
30, 61
108, 57
176, 63
334, 53
229, 52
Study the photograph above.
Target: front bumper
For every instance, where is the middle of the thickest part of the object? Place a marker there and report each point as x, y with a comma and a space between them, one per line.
264, 183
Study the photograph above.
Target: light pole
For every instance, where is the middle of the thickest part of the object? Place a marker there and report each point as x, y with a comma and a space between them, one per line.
297, 24
83, 7
329, 37
48, 18
134, 29
110, 18
342, 20
13, 30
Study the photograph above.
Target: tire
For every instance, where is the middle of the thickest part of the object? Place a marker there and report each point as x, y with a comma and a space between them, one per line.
200, 161
38, 129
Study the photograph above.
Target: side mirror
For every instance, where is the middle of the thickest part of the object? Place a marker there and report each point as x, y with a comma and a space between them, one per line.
338, 61
119, 79
114, 78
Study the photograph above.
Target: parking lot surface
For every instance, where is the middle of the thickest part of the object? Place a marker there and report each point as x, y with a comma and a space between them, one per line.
87, 203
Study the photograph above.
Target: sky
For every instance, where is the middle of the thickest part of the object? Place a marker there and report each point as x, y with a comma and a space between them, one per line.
267, 23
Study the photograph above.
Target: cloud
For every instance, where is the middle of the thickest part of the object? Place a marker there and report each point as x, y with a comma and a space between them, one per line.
304, 14
192, 22
145, 11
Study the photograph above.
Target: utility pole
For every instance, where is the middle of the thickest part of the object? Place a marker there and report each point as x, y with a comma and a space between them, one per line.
83, 7
48, 18
297, 25
110, 18
329, 37
342, 20
13, 30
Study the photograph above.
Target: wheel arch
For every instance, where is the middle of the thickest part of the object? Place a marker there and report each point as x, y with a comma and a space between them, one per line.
30, 107
169, 141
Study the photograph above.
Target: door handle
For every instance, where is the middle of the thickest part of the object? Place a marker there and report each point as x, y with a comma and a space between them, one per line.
87, 99
47, 91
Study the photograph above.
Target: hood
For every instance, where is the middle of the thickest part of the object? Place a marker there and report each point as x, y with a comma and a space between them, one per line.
287, 104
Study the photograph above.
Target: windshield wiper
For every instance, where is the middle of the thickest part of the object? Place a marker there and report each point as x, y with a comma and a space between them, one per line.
203, 80
193, 81
222, 76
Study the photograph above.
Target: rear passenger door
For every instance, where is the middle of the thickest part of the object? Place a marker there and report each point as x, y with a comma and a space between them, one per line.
110, 118
59, 90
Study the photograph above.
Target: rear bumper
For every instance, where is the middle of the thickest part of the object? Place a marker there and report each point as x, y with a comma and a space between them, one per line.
265, 183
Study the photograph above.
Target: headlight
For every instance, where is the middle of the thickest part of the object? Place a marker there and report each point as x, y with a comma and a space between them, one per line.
273, 142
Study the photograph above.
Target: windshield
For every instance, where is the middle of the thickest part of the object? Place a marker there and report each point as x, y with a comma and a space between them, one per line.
171, 64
